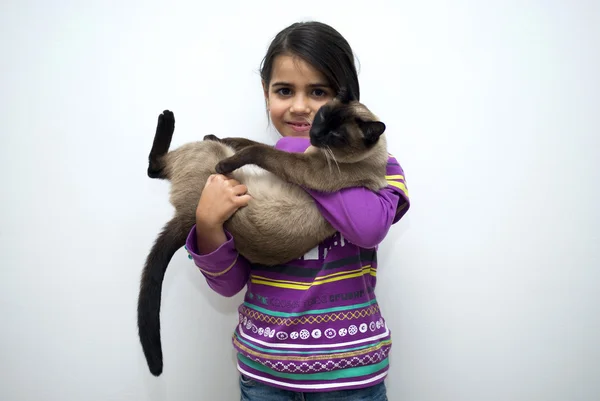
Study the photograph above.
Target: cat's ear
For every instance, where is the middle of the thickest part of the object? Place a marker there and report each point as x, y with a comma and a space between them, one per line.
343, 95
372, 130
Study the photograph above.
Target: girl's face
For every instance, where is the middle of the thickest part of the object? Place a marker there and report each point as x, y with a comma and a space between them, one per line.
295, 93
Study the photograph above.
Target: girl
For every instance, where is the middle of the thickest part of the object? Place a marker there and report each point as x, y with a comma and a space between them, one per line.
311, 329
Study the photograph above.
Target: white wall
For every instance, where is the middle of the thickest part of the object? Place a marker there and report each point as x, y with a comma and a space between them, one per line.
490, 282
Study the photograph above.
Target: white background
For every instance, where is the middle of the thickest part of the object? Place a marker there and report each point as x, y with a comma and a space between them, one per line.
490, 283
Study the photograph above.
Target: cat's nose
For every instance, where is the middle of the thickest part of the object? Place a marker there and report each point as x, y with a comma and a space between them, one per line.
318, 128
320, 116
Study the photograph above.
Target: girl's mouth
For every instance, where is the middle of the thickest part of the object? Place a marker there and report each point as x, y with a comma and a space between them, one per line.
299, 126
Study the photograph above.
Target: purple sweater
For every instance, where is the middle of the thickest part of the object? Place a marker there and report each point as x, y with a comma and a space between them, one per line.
314, 324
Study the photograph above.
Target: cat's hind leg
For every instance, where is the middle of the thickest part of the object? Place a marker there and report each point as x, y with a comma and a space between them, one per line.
160, 146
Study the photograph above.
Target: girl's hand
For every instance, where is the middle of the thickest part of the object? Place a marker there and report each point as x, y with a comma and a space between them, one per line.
221, 197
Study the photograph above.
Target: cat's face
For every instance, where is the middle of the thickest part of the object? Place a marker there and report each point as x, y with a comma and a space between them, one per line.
346, 128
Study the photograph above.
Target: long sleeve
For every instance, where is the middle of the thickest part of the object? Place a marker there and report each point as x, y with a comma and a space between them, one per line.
225, 270
362, 216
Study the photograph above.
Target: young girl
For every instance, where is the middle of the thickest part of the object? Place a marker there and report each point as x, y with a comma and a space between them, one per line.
310, 329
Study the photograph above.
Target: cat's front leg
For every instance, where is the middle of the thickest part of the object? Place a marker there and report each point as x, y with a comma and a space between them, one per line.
248, 155
296, 168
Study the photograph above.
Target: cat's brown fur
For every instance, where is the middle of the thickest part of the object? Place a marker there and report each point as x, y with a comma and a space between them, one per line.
281, 221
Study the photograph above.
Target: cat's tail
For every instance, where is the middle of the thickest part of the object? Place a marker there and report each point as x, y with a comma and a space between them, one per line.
170, 239
162, 141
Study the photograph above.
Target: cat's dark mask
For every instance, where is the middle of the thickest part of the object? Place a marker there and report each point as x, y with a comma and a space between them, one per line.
336, 124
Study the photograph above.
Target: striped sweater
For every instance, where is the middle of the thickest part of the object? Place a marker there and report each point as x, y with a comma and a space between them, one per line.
314, 324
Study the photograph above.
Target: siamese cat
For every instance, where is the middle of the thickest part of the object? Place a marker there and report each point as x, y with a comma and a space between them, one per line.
281, 221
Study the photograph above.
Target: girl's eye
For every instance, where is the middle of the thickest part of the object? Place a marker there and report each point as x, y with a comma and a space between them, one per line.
284, 91
320, 93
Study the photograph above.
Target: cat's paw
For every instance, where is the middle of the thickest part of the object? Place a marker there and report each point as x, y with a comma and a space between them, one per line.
167, 116
226, 166
239, 159
211, 138
166, 121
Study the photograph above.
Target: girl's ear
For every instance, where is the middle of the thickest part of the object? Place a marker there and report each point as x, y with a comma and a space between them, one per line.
266, 93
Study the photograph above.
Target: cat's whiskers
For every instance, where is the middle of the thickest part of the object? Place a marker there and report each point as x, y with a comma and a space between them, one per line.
326, 154
307, 120
334, 160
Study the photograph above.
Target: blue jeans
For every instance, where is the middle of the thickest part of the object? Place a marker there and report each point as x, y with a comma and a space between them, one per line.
254, 391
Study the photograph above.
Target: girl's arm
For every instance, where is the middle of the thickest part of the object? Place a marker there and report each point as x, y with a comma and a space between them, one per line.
209, 245
362, 216
225, 270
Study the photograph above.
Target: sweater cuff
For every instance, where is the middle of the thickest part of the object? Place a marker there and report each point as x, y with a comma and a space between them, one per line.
216, 263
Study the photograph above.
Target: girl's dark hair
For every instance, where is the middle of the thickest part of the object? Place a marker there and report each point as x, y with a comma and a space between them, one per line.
321, 46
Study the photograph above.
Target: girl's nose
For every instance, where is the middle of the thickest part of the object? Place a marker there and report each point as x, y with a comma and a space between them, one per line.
300, 106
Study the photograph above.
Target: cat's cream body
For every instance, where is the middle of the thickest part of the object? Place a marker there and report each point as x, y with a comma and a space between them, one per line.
280, 223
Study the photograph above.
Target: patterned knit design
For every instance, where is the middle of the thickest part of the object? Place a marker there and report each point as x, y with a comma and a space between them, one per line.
315, 323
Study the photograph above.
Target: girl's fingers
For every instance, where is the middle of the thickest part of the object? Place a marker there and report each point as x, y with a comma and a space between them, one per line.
242, 200
240, 189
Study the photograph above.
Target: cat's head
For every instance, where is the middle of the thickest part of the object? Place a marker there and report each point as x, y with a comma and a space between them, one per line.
346, 127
